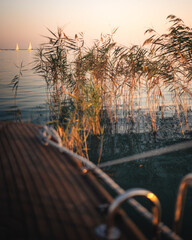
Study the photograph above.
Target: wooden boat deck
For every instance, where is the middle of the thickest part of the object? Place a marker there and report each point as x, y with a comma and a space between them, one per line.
44, 195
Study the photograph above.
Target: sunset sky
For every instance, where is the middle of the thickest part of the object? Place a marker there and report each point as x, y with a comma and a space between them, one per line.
22, 21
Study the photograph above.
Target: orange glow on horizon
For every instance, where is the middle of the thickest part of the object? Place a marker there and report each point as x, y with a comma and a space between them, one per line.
30, 21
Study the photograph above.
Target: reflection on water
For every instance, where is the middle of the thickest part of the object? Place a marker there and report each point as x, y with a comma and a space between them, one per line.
30, 104
160, 174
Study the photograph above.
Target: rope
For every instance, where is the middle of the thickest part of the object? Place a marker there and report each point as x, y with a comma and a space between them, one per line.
46, 134
45, 137
148, 154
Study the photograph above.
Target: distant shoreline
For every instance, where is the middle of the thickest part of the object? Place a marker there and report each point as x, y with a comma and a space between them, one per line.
4, 49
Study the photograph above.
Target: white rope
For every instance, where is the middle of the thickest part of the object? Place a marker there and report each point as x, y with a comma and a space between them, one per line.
148, 154
46, 136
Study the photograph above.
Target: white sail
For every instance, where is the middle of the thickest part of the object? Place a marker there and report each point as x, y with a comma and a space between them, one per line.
17, 47
30, 47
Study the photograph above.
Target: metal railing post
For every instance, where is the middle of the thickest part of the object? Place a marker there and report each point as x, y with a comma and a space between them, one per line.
109, 231
180, 202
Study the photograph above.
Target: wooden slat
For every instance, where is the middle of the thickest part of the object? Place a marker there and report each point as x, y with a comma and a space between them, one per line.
69, 188
43, 194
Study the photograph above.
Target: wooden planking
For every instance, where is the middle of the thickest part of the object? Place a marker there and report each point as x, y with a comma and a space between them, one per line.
43, 193
74, 193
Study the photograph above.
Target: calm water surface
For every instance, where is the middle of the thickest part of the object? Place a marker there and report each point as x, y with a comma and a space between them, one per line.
30, 104
161, 174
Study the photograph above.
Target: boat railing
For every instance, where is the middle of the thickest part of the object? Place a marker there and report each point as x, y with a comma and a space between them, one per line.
180, 202
48, 136
110, 231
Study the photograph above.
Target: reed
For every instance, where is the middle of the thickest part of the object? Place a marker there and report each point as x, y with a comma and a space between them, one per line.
108, 75
174, 50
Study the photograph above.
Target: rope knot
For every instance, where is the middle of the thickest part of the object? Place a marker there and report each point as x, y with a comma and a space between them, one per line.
48, 134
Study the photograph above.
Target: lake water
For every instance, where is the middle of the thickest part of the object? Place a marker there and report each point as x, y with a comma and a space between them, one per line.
30, 102
161, 174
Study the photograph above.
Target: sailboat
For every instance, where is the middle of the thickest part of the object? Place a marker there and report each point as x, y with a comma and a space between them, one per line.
30, 47
17, 47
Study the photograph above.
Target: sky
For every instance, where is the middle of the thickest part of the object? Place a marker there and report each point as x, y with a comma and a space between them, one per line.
22, 21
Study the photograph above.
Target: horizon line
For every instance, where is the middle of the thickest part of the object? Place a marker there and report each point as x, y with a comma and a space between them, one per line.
17, 50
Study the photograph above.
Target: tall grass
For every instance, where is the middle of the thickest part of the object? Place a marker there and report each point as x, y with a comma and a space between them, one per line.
173, 51
107, 75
